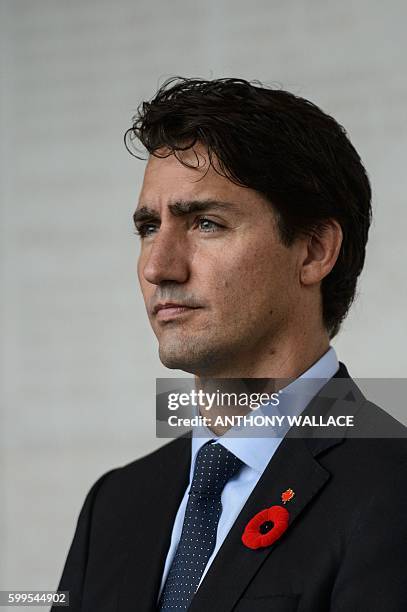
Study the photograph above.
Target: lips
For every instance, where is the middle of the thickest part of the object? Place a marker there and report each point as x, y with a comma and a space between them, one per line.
166, 305
171, 310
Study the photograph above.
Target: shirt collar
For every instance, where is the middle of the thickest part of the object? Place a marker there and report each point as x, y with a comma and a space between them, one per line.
257, 452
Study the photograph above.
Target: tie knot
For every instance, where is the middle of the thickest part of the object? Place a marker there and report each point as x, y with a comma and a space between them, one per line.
214, 466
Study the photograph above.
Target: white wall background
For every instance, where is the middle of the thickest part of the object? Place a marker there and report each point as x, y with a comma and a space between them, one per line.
78, 359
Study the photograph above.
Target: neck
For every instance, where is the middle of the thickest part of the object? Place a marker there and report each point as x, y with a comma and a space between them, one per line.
287, 358
277, 367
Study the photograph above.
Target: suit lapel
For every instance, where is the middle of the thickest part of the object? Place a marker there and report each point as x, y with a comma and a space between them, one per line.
292, 466
295, 466
148, 535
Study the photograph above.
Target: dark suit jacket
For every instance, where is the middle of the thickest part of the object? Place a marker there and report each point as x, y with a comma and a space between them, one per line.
345, 549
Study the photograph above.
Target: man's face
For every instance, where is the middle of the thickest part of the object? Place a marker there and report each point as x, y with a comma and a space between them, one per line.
219, 286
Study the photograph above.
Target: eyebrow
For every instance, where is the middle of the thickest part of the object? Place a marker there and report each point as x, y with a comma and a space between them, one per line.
145, 214
181, 208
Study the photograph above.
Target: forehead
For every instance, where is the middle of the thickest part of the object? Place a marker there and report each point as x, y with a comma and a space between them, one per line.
168, 180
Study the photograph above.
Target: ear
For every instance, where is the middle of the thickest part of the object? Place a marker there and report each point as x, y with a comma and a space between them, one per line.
321, 252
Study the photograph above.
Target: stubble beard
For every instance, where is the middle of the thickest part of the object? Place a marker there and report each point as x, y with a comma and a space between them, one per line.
189, 355
208, 356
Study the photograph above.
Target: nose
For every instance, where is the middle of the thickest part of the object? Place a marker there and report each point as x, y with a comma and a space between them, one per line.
166, 259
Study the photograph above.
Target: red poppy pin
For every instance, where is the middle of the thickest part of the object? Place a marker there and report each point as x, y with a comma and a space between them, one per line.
267, 525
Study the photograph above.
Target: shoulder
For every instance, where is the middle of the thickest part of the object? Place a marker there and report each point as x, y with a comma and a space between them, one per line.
116, 486
378, 439
368, 461
369, 466
159, 460
375, 435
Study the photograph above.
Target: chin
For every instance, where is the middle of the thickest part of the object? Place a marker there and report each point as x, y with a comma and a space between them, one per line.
188, 359
176, 360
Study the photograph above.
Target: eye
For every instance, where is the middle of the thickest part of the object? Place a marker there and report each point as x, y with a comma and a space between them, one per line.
145, 230
206, 225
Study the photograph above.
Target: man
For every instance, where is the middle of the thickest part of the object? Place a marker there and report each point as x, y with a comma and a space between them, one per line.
253, 216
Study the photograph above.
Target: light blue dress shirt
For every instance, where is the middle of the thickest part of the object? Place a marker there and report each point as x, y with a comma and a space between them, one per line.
254, 452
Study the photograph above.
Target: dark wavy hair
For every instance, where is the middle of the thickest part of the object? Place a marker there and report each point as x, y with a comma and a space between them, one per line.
282, 146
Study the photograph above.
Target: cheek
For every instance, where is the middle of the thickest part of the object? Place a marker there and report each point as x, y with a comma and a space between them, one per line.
231, 280
140, 266
146, 287
258, 279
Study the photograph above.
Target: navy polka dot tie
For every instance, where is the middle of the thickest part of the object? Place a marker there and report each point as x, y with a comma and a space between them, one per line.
214, 466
